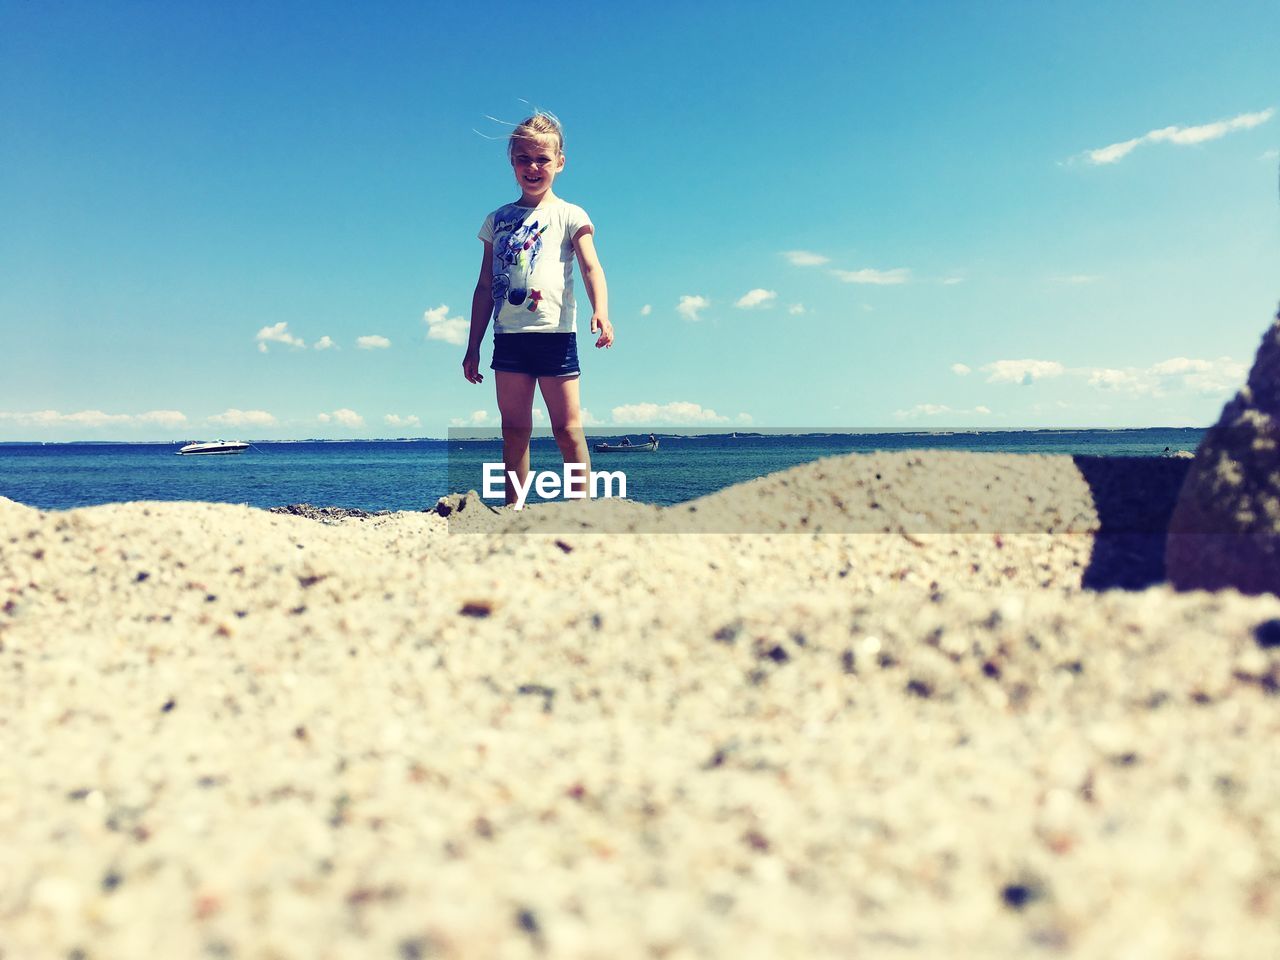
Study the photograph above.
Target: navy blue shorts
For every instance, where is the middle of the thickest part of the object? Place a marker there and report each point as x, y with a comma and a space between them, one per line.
537, 354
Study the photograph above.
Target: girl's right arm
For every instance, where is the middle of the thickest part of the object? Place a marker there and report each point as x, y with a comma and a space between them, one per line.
481, 311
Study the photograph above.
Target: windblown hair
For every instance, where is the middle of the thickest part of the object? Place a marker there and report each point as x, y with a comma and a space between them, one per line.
541, 124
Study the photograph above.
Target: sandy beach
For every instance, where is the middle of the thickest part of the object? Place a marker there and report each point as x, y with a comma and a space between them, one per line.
970, 720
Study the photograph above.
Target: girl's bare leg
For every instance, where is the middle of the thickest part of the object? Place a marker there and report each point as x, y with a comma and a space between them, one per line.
561, 397
515, 404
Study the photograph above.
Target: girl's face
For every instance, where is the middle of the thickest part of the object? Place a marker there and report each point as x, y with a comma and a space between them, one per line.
536, 164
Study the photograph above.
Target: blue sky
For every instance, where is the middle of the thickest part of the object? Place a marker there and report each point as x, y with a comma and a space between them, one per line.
831, 215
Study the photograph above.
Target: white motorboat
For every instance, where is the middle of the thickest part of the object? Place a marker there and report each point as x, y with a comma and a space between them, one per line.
209, 447
627, 446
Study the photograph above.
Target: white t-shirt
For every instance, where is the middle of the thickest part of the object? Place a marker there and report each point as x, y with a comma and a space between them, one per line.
533, 266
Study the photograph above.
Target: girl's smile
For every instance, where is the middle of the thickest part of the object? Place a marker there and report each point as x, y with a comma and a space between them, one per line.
536, 165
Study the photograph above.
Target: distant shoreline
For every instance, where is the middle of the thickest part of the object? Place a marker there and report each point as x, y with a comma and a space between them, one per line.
670, 433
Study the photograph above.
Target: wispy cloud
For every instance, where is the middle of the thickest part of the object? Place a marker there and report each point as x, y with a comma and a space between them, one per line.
95, 418
952, 281
758, 297
343, 416
878, 277
796, 309
1208, 377
646, 310
441, 326
690, 306
1108, 378
1024, 372
277, 333
805, 258
1202, 376
373, 342
1077, 278
1181, 136
938, 410
233, 417
675, 412
395, 420
1270, 155
960, 369
324, 343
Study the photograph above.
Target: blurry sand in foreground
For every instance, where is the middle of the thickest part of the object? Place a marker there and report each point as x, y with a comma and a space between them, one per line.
230, 733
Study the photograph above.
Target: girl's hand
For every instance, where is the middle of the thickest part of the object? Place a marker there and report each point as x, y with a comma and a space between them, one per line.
605, 328
471, 367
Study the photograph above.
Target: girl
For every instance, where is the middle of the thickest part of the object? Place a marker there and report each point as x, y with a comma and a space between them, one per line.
526, 287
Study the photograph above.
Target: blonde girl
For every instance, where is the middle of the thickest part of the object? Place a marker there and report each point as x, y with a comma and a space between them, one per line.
526, 288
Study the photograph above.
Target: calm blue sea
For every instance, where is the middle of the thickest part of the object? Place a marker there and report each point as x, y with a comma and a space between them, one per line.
412, 474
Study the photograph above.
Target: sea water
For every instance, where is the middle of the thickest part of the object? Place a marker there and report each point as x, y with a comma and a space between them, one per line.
413, 474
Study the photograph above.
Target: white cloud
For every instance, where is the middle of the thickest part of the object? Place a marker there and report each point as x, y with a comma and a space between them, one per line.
233, 417
441, 326
1024, 372
877, 277
347, 417
1177, 373
758, 297
959, 369
1111, 154
277, 333
324, 343
395, 420
1200, 376
1270, 155
646, 310
803, 258
1077, 278
796, 309
981, 409
676, 412
1178, 365
95, 418
1204, 376
479, 418
1179, 136
373, 342
587, 418
951, 281
744, 418
689, 306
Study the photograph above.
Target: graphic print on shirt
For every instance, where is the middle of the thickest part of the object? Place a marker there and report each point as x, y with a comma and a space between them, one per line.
516, 246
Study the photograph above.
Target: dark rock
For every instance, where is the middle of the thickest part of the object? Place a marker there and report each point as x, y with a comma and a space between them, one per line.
1225, 530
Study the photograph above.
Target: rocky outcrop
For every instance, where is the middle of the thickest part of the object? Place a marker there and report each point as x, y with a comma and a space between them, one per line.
1225, 529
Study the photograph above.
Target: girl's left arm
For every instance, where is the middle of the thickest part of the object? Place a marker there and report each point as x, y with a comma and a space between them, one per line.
584, 246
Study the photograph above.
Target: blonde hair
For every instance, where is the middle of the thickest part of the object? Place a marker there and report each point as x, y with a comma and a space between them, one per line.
541, 124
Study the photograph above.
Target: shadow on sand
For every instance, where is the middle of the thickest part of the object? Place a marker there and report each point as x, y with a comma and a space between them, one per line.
1134, 497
